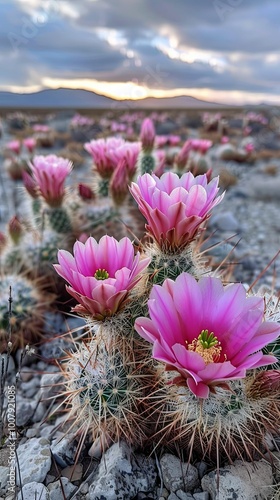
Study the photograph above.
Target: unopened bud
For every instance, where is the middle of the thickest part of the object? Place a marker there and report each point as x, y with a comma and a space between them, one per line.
119, 183
147, 135
86, 192
15, 229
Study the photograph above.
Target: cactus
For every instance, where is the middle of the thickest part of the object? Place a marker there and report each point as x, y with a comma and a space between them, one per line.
147, 163
26, 315
33, 255
59, 220
170, 265
103, 187
105, 392
229, 424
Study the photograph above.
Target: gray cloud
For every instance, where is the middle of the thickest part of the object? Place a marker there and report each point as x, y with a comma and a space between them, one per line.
242, 34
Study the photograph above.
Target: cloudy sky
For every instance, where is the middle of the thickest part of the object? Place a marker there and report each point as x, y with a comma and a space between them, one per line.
217, 50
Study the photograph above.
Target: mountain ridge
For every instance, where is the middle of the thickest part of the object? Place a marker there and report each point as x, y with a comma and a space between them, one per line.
84, 99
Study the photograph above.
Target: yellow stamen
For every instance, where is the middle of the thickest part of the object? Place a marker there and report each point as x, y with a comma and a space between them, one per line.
207, 345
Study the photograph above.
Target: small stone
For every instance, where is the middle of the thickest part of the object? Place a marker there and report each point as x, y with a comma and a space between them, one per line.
33, 490
183, 495
49, 479
34, 460
32, 432
4, 471
162, 492
204, 495
51, 384
64, 450
172, 496
26, 374
39, 411
242, 481
30, 388
122, 474
225, 222
73, 472
47, 431
178, 475
202, 468
25, 412
84, 488
62, 488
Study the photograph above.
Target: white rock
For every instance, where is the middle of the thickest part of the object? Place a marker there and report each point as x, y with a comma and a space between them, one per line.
122, 474
182, 495
57, 492
34, 490
49, 385
4, 471
64, 450
178, 475
204, 495
241, 481
34, 460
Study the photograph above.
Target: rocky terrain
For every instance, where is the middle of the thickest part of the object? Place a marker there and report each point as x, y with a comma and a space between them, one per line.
243, 236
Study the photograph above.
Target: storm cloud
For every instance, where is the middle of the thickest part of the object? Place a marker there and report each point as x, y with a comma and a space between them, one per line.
219, 45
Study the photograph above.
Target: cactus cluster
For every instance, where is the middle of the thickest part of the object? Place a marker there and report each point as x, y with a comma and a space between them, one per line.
118, 385
22, 304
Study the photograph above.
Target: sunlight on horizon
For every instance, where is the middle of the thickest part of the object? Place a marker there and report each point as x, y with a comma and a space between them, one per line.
134, 91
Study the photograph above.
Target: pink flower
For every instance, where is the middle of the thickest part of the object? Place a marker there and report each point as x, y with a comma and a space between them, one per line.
206, 332
101, 274
119, 183
224, 139
174, 206
128, 151
173, 140
50, 173
14, 146
100, 150
30, 144
41, 128
183, 155
147, 134
204, 145
85, 192
30, 184
249, 148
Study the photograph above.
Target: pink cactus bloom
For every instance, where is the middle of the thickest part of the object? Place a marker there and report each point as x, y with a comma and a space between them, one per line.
206, 332
50, 173
249, 148
100, 150
101, 274
14, 146
147, 134
85, 192
175, 207
128, 151
183, 155
174, 140
204, 145
224, 139
41, 128
30, 144
30, 184
119, 183
161, 141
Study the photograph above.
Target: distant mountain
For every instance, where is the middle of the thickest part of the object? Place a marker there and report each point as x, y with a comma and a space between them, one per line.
57, 98
83, 99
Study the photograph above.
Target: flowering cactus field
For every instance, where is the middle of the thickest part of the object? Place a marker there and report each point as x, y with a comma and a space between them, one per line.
139, 306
